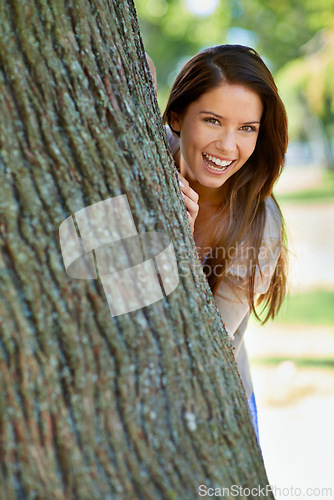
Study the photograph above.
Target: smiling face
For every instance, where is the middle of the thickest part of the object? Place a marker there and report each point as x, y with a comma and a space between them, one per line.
218, 133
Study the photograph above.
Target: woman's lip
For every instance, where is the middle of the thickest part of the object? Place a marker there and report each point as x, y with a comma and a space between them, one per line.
226, 169
219, 157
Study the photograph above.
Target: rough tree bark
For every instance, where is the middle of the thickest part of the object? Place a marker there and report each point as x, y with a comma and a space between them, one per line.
144, 405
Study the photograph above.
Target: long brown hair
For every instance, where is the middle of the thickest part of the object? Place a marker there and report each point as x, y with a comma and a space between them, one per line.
243, 210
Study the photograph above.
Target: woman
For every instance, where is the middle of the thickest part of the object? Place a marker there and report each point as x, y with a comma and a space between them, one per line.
227, 129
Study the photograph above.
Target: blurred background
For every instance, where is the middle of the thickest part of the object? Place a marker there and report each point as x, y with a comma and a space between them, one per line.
292, 357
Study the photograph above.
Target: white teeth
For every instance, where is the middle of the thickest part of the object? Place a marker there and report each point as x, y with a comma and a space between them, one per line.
217, 161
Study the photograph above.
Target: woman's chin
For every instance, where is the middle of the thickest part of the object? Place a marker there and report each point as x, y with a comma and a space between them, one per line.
212, 183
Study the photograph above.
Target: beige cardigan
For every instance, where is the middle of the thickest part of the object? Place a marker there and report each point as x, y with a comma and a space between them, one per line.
231, 302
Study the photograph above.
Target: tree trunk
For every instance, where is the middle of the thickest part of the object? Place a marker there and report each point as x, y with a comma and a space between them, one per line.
326, 122
142, 405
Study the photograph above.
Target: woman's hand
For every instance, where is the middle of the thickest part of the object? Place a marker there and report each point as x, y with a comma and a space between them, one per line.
191, 200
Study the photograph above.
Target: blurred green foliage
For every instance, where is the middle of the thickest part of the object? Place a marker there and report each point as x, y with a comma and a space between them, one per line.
301, 362
295, 38
307, 88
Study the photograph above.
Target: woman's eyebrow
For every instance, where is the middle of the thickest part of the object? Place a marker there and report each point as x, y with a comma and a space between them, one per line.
210, 113
221, 117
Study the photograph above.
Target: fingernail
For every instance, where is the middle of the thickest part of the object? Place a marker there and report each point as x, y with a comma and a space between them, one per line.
181, 184
183, 194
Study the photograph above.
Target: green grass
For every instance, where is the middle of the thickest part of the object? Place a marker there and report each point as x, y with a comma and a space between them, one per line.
320, 194
311, 308
327, 363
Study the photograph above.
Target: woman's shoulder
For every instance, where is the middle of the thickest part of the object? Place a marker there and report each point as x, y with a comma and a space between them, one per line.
273, 220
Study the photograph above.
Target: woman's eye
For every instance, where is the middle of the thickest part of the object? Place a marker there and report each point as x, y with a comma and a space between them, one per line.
212, 120
248, 128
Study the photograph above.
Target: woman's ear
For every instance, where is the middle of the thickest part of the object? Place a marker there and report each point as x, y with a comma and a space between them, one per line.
175, 121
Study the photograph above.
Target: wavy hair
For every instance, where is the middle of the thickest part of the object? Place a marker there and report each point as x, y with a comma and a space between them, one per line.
243, 210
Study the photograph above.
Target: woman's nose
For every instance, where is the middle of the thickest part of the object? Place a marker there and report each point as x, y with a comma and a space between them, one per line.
226, 142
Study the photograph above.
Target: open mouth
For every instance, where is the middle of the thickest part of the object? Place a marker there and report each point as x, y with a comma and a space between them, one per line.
215, 163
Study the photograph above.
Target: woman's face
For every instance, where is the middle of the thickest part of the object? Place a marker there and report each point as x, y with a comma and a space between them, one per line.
218, 133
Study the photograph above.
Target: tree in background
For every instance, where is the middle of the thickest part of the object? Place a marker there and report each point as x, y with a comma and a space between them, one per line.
280, 31
308, 84
146, 404
173, 32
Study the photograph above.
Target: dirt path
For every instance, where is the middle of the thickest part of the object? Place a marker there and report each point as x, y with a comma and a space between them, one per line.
311, 242
296, 407
296, 403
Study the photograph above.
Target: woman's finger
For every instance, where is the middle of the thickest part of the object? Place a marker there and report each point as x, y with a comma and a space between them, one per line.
192, 206
187, 190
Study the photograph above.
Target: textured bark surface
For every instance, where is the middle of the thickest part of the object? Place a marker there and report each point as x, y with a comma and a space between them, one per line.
147, 405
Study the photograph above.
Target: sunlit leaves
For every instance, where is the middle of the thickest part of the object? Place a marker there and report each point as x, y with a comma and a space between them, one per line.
279, 30
307, 84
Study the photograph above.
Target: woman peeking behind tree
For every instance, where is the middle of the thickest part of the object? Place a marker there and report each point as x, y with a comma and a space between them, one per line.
227, 129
